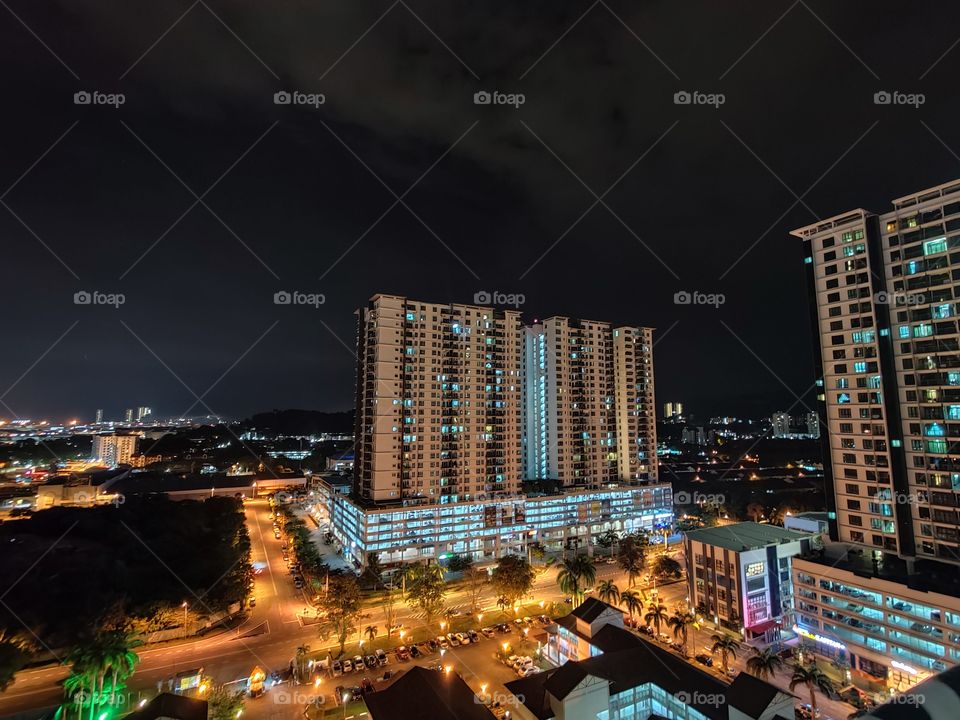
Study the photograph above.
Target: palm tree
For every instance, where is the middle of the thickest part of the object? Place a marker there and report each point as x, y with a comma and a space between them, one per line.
120, 659
301, 661
576, 574
681, 623
88, 660
727, 646
813, 678
764, 664
371, 632
609, 592
631, 558
632, 602
657, 614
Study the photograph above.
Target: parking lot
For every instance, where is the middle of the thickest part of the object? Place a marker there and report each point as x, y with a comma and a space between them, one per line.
479, 662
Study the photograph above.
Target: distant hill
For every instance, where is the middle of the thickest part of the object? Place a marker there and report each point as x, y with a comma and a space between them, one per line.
299, 422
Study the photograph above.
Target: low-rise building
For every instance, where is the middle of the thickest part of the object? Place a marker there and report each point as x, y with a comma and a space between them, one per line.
739, 575
619, 676
114, 449
808, 522
489, 528
890, 619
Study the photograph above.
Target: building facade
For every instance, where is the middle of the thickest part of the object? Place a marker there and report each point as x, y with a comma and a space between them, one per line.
885, 629
113, 450
589, 407
739, 575
438, 407
883, 308
488, 528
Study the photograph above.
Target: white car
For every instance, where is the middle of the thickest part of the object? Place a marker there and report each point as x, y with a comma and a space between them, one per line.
528, 671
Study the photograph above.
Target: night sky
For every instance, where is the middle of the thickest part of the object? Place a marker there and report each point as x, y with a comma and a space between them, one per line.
199, 197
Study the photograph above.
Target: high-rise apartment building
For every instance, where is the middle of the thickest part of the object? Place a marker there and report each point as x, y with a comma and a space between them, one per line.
781, 424
98, 417
813, 425
672, 410
143, 412
439, 401
589, 403
128, 415
884, 308
113, 450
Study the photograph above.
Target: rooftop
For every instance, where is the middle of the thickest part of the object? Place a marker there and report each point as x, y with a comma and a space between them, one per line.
629, 661
927, 575
745, 536
422, 694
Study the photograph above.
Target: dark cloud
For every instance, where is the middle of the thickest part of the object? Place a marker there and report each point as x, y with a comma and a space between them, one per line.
713, 185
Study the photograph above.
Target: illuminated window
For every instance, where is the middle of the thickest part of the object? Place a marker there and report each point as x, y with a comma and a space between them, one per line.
754, 569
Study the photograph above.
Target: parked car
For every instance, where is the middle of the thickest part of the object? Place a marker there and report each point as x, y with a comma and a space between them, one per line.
381, 657
356, 693
528, 670
704, 659
403, 653
347, 667
503, 627
473, 635
442, 642
337, 668
338, 694
370, 661
366, 686
544, 619
414, 652
453, 640
487, 632
464, 640
433, 645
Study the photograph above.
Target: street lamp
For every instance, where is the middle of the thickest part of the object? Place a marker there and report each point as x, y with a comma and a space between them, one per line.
184, 606
345, 698
443, 626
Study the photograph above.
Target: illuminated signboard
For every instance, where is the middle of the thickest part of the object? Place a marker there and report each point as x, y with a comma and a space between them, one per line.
819, 638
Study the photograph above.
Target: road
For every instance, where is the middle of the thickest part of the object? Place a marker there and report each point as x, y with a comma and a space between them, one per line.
273, 631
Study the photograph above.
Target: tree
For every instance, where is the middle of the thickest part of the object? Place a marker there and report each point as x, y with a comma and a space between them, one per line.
727, 646
389, 606
513, 577
426, 589
119, 658
813, 678
576, 574
658, 615
631, 558
301, 662
631, 601
537, 551
666, 566
607, 540
371, 573
476, 581
342, 608
608, 592
371, 631
224, 704
764, 664
681, 624
13, 656
459, 563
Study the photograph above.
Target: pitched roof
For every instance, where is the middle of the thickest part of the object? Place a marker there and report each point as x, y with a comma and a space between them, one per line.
745, 536
423, 694
591, 608
750, 694
169, 705
565, 679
